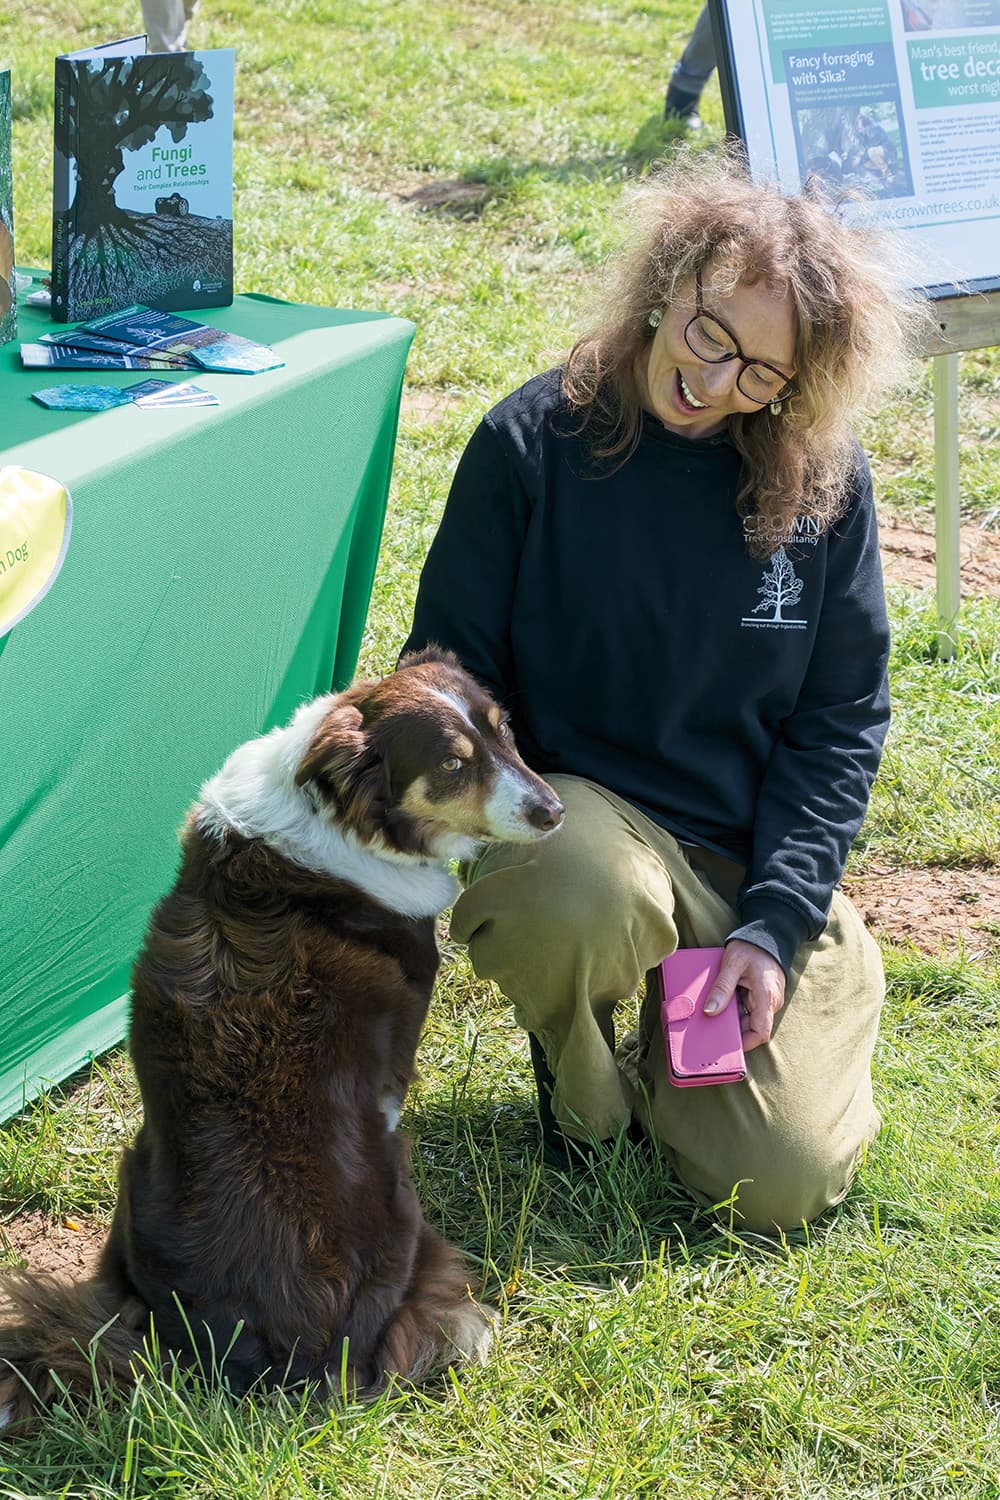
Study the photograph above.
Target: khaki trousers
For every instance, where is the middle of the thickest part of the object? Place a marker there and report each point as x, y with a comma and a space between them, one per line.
568, 927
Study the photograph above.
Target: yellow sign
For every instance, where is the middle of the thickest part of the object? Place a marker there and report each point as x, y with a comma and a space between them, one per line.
36, 516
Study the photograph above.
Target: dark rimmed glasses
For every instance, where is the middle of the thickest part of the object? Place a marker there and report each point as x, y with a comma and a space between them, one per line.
712, 342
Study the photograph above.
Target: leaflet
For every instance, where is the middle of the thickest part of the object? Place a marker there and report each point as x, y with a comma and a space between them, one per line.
76, 340
175, 395
142, 338
166, 333
61, 357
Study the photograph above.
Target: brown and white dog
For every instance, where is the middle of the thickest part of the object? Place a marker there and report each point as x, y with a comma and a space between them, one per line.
266, 1219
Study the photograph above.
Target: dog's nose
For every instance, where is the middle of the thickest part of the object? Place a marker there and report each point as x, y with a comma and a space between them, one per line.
546, 815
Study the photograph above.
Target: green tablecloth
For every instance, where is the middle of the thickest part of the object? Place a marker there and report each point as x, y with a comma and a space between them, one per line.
219, 573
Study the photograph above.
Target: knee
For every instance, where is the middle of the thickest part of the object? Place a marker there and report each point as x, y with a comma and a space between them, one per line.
572, 895
554, 890
779, 1187
528, 930
566, 937
571, 911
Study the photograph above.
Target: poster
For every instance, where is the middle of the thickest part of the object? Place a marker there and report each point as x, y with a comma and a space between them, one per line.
894, 103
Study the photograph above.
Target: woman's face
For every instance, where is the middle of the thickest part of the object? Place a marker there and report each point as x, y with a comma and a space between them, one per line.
693, 398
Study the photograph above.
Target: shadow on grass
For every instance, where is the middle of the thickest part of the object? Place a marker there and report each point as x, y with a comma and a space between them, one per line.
467, 196
483, 1184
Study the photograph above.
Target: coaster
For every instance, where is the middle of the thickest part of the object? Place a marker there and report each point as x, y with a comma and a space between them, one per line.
81, 397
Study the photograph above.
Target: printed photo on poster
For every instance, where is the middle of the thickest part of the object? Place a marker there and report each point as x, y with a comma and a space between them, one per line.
846, 117
949, 14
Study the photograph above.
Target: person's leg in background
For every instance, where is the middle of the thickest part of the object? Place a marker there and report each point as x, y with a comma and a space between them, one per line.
691, 72
166, 23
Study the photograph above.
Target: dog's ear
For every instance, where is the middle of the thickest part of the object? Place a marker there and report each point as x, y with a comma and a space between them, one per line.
347, 767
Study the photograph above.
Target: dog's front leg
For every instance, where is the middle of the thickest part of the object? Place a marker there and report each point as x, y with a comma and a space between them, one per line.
439, 1322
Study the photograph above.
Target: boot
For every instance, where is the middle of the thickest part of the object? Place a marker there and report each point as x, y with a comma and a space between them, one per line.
559, 1150
683, 107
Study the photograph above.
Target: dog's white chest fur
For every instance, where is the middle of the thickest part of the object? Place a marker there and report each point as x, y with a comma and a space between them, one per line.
255, 794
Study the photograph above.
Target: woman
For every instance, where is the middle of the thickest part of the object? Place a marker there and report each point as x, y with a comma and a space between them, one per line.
663, 559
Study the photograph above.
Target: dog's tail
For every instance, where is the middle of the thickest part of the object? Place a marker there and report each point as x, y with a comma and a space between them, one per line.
56, 1336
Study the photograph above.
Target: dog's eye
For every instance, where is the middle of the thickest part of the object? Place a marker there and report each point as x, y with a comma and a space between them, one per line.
452, 763
503, 729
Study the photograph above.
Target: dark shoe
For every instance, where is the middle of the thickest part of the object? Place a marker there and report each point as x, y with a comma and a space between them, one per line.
682, 107
559, 1150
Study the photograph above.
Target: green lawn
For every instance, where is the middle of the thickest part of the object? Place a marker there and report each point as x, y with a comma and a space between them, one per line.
645, 1350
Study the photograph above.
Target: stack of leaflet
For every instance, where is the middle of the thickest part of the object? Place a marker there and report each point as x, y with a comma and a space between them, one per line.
140, 338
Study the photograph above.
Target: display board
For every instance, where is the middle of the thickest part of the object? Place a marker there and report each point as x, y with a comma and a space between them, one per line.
894, 102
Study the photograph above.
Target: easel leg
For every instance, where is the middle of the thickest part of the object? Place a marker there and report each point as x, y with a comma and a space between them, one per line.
947, 503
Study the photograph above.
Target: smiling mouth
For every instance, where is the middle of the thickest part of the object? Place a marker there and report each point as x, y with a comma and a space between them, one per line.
687, 399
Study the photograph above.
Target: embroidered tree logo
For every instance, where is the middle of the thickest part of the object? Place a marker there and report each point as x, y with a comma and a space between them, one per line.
780, 587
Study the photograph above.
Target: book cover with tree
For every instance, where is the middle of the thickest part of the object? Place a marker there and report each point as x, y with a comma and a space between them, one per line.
8, 296
142, 183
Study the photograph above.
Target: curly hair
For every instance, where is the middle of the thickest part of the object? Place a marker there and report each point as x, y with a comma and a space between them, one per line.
856, 328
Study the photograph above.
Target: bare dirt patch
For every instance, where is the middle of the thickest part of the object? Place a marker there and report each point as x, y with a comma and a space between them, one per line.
42, 1244
397, 291
938, 911
908, 557
448, 195
428, 406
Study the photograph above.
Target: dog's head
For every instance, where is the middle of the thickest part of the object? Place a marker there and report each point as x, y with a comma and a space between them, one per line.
424, 764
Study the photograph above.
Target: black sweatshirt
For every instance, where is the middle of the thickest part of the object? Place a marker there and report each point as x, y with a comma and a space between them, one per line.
740, 704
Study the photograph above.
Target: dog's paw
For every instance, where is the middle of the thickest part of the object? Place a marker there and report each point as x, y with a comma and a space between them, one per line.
472, 1328
14, 1405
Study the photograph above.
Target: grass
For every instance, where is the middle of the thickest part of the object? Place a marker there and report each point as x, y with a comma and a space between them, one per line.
646, 1350
937, 797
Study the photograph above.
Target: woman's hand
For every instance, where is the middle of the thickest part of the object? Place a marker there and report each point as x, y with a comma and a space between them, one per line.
759, 982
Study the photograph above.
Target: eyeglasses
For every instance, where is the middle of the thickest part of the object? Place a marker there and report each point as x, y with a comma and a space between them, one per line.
712, 342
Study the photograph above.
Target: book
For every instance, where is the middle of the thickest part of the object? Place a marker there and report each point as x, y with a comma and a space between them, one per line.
142, 181
8, 291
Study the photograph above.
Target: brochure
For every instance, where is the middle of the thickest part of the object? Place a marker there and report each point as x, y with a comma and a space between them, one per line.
196, 344
143, 338
57, 357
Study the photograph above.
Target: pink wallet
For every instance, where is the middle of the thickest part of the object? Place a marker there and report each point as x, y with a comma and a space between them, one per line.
700, 1049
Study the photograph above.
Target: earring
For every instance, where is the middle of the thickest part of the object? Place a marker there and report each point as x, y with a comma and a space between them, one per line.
655, 318
775, 408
